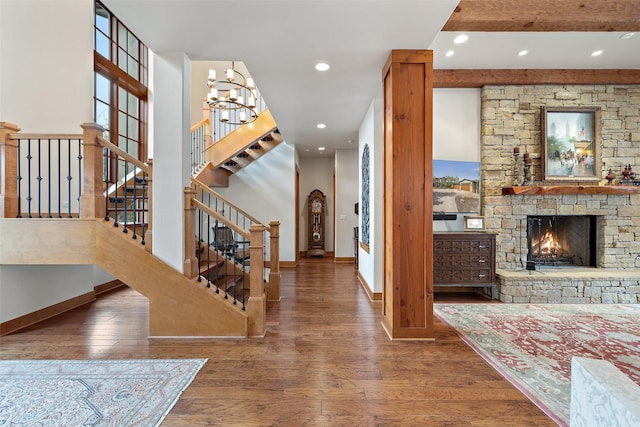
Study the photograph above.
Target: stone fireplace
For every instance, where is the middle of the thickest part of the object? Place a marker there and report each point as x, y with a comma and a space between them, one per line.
561, 241
607, 267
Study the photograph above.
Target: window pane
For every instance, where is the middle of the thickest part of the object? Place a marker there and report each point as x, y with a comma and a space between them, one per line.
133, 149
132, 47
132, 105
132, 128
122, 143
122, 36
102, 114
133, 68
122, 60
122, 124
122, 99
102, 45
102, 88
102, 18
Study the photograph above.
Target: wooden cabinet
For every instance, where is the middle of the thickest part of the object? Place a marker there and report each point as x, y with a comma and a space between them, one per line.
464, 260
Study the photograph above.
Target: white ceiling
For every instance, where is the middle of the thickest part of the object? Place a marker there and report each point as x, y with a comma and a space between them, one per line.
281, 41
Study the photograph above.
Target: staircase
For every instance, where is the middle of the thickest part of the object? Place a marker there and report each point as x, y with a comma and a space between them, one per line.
111, 227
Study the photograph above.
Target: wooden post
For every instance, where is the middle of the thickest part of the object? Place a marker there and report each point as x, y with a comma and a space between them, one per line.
190, 266
257, 305
92, 200
148, 234
408, 199
8, 171
274, 264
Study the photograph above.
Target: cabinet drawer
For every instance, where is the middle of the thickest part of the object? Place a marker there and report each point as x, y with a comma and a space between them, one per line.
474, 275
462, 246
461, 260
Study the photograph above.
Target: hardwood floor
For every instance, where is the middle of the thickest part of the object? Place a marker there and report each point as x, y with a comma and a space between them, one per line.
325, 361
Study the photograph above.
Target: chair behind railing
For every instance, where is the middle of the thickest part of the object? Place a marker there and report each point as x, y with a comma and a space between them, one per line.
212, 211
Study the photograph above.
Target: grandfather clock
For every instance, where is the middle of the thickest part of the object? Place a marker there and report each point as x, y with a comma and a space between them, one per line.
316, 219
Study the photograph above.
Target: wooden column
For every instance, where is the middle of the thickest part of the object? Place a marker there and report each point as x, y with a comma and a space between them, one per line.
190, 265
8, 171
408, 198
257, 305
274, 264
92, 200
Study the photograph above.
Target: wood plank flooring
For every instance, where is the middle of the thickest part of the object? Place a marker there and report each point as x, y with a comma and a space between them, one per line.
325, 361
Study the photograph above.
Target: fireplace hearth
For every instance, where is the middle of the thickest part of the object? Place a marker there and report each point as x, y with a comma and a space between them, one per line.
561, 241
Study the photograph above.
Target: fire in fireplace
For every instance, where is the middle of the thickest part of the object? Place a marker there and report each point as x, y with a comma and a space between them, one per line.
561, 240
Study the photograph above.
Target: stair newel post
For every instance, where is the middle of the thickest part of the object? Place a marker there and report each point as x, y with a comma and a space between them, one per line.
92, 203
190, 242
8, 171
148, 233
274, 261
257, 305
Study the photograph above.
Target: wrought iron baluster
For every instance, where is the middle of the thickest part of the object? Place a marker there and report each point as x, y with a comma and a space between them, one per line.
39, 178
125, 195
145, 205
136, 212
29, 157
59, 179
69, 177
199, 240
49, 178
105, 177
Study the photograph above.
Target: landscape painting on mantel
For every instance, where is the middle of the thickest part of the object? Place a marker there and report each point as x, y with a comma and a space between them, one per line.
456, 186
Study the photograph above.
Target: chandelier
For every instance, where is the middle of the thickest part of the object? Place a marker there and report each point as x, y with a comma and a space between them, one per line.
234, 97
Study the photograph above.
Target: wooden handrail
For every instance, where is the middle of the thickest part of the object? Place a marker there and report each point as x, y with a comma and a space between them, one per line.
128, 157
198, 125
208, 190
17, 136
219, 217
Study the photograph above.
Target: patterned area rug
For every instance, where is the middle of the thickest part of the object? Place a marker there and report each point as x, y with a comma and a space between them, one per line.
92, 392
532, 345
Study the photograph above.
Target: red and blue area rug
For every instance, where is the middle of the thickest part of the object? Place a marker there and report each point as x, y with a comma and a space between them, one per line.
92, 392
531, 345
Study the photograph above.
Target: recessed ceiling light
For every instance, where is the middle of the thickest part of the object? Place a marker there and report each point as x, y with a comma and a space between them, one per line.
523, 52
320, 148
596, 53
461, 38
627, 35
322, 66
306, 149
321, 126
449, 53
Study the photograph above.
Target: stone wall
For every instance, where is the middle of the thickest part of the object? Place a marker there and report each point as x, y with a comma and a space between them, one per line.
511, 118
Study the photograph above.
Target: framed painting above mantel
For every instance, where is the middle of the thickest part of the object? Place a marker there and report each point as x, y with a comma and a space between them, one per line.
570, 144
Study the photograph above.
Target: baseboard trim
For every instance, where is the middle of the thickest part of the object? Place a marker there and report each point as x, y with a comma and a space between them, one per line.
288, 264
373, 296
29, 319
106, 287
345, 260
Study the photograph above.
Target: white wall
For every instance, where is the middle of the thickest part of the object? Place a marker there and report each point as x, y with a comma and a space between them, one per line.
266, 189
370, 264
46, 64
346, 166
46, 85
316, 173
171, 130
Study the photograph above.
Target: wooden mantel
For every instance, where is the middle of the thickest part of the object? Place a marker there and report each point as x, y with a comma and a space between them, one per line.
570, 189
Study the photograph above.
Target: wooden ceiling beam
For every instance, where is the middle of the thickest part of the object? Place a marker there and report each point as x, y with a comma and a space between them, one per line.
545, 15
479, 78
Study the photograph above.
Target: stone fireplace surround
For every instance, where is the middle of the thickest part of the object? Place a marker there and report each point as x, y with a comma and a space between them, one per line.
511, 118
